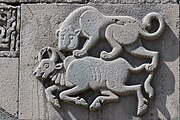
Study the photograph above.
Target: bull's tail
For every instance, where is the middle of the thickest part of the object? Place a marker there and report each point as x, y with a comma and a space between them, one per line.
147, 85
146, 22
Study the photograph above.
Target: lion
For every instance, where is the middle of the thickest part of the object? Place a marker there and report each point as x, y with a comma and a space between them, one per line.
121, 32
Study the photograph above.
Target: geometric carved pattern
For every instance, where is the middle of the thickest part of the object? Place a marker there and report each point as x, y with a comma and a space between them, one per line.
9, 30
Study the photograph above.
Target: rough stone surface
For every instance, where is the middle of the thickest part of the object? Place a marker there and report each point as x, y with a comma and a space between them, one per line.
38, 25
5, 115
9, 86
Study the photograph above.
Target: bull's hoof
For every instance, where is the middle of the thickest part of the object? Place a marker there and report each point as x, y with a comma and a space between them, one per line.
95, 106
56, 103
81, 101
142, 109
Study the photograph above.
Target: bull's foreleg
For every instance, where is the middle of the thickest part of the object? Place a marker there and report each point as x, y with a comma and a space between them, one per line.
65, 95
50, 97
108, 97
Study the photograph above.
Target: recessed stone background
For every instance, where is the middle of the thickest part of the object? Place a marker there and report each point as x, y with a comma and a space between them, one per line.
22, 95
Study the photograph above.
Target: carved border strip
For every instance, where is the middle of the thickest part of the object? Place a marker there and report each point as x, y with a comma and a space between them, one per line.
9, 30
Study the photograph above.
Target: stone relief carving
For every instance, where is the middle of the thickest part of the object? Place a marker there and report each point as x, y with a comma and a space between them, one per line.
9, 31
78, 72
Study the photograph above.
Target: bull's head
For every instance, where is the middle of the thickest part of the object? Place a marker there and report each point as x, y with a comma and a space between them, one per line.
48, 65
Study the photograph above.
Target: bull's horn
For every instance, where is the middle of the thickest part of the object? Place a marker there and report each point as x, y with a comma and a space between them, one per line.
54, 56
61, 55
41, 53
39, 56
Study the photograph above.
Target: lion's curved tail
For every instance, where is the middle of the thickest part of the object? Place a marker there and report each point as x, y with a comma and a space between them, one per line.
146, 22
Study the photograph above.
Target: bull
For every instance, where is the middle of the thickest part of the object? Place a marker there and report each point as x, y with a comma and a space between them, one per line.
73, 76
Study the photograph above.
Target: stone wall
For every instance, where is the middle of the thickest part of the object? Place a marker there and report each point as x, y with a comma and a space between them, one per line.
27, 26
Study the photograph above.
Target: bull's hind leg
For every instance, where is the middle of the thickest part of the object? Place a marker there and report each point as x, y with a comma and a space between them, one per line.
142, 107
65, 95
108, 97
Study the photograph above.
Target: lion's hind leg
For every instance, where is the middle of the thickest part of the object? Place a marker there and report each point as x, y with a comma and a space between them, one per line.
144, 53
116, 47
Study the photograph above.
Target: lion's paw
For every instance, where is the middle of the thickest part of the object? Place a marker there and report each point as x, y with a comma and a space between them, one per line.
79, 53
105, 55
150, 67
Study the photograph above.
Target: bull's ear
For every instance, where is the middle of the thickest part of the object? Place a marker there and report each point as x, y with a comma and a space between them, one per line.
57, 33
78, 32
59, 66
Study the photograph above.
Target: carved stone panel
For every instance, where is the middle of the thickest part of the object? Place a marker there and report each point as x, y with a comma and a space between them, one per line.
103, 59
109, 73
9, 30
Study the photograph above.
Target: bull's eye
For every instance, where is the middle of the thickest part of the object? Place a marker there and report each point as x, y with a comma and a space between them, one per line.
71, 37
46, 65
62, 37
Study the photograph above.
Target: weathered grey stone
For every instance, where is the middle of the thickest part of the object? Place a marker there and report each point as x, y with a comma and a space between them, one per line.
5, 115
38, 31
9, 85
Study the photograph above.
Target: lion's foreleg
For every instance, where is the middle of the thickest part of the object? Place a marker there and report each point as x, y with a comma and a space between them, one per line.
88, 44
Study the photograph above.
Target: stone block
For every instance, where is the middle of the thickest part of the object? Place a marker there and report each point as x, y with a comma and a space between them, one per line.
43, 1
38, 25
134, 1
92, 1
9, 86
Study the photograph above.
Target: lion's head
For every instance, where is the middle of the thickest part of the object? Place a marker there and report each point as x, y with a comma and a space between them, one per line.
67, 39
